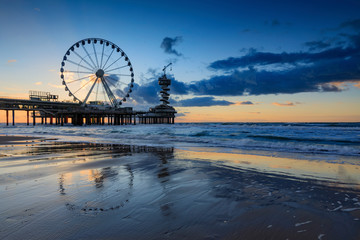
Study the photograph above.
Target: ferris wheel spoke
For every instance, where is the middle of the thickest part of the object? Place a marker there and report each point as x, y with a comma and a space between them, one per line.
116, 68
97, 91
82, 87
70, 71
83, 59
78, 64
115, 80
88, 55
78, 79
102, 55
104, 93
113, 63
92, 87
108, 58
109, 93
97, 61
117, 88
123, 75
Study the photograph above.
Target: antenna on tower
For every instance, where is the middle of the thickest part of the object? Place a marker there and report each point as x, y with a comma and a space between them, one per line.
165, 67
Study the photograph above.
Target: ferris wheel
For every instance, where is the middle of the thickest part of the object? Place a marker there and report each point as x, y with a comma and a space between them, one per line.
96, 71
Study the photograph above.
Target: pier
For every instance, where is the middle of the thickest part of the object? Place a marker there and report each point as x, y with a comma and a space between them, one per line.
60, 113
102, 82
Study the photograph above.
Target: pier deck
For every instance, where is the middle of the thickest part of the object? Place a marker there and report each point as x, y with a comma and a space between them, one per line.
60, 113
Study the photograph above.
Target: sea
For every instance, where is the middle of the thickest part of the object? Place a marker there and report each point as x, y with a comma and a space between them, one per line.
297, 140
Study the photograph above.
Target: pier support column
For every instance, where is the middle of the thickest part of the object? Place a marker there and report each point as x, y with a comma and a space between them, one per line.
27, 118
34, 120
13, 117
51, 120
7, 117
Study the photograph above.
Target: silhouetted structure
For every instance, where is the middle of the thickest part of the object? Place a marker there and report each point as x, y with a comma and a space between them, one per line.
162, 113
101, 74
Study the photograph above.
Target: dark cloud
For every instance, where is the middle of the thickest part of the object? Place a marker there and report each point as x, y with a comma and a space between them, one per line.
169, 43
255, 58
353, 24
328, 87
275, 22
317, 45
180, 114
148, 92
313, 78
245, 103
259, 72
202, 102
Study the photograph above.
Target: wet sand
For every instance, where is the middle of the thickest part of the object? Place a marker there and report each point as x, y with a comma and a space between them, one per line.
53, 190
4, 139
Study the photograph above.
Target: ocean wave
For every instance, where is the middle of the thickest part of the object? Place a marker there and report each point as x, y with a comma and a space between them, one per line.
318, 140
341, 139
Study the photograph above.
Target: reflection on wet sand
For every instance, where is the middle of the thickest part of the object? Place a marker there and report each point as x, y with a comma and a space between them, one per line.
102, 191
332, 172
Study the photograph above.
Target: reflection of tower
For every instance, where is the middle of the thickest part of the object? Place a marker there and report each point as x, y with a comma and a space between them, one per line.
164, 83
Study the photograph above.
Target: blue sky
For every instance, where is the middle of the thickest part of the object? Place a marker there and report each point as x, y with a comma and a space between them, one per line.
225, 53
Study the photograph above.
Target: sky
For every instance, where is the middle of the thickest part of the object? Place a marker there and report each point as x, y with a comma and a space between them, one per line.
232, 61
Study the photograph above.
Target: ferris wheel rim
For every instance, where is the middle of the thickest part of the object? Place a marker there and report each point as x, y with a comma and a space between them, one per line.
98, 67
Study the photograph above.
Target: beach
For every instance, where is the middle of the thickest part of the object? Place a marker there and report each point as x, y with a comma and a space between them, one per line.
84, 190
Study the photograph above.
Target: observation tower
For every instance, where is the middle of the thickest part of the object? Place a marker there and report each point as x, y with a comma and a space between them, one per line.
162, 113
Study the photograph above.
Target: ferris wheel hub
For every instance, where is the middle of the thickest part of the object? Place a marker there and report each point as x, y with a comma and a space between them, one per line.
100, 73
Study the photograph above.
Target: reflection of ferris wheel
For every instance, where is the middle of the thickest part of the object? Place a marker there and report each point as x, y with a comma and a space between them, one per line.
96, 71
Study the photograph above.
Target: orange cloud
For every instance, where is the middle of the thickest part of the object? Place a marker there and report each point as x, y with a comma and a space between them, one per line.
287, 104
38, 83
11, 60
341, 85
